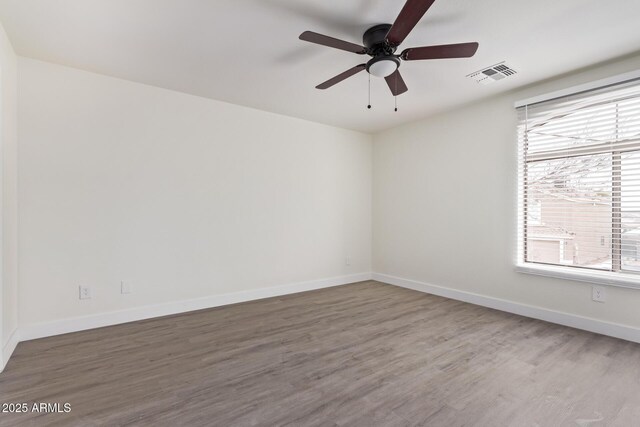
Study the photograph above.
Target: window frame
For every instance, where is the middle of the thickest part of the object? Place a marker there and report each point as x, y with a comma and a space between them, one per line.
617, 276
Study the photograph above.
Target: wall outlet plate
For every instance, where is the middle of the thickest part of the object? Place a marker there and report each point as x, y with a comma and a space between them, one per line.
84, 292
598, 293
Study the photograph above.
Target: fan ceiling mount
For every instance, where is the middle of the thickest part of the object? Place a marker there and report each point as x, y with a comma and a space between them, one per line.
381, 42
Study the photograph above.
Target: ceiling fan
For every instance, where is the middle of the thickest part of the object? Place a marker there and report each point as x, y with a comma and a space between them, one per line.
382, 41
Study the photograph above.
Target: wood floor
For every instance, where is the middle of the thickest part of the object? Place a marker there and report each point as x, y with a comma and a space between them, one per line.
365, 354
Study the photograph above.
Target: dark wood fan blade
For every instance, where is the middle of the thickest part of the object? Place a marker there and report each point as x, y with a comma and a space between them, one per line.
310, 36
409, 16
396, 83
460, 50
340, 77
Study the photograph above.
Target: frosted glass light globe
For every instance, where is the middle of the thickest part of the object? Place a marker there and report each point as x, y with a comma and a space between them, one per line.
383, 68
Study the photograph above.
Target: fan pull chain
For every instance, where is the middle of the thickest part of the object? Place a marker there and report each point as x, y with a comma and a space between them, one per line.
395, 95
369, 105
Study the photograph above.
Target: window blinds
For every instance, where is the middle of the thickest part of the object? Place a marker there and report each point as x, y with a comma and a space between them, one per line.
579, 180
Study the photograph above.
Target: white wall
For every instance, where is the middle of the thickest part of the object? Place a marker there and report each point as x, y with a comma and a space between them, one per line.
8, 198
444, 209
188, 197
183, 196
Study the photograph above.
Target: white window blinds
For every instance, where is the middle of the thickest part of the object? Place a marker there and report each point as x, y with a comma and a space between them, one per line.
579, 181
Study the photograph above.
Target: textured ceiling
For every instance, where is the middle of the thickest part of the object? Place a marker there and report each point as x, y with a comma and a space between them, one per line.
247, 52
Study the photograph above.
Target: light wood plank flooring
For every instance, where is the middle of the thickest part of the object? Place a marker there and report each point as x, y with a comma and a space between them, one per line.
365, 354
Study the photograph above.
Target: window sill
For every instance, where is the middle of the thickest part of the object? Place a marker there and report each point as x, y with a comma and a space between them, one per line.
568, 273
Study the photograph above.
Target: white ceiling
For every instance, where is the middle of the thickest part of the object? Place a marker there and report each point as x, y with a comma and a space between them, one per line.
247, 52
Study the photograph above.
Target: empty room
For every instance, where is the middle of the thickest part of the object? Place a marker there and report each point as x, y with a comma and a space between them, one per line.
320, 213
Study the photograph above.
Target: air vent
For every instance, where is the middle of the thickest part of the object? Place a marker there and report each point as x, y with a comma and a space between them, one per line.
492, 74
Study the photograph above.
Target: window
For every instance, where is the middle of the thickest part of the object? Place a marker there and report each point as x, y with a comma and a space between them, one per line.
579, 183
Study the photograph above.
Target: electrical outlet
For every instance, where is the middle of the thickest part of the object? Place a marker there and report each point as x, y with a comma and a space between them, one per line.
598, 293
347, 261
84, 292
125, 287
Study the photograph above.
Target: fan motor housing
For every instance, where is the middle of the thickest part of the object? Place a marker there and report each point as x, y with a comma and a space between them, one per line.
375, 40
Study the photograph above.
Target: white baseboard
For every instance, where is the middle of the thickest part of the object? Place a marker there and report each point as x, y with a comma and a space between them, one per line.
579, 322
9, 347
47, 329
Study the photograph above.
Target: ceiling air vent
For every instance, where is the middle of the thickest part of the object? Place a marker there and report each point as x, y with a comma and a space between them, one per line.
492, 74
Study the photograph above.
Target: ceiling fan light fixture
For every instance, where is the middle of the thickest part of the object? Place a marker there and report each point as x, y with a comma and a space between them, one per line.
383, 66
381, 41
